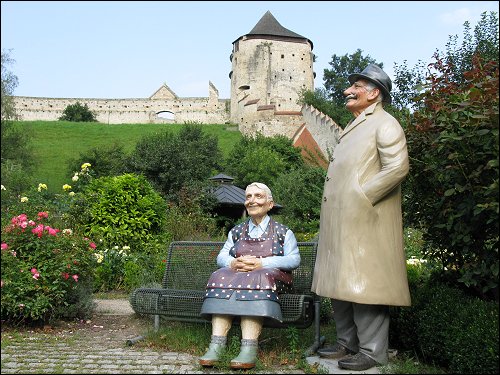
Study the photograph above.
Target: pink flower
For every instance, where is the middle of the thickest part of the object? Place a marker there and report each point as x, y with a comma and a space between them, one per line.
65, 275
75, 277
2, 284
52, 231
35, 273
92, 245
43, 214
38, 230
4, 246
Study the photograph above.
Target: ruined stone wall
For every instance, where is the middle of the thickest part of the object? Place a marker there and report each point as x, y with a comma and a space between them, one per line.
211, 110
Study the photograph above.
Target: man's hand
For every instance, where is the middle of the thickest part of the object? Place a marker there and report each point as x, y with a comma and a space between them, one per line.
246, 263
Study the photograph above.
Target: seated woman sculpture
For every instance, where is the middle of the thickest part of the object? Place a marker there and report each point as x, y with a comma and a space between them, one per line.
255, 265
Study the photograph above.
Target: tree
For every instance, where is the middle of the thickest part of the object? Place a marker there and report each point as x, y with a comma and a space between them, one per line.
107, 160
78, 113
174, 162
9, 84
300, 191
453, 145
15, 147
409, 83
262, 159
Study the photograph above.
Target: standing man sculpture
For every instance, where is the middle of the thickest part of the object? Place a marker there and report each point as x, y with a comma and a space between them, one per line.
361, 264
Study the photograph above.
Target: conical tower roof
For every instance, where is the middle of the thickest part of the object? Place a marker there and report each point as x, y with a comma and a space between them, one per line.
268, 25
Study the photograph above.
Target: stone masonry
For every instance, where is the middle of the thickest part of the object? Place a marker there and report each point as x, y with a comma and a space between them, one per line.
270, 67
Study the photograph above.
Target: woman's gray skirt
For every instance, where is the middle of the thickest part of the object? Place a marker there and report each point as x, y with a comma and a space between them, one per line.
232, 306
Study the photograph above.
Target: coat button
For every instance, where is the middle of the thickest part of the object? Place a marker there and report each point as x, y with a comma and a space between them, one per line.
324, 199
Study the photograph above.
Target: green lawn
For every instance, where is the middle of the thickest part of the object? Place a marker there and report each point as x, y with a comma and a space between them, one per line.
56, 142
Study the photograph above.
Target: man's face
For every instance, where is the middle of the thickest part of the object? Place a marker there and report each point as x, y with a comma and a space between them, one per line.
256, 202
358, 97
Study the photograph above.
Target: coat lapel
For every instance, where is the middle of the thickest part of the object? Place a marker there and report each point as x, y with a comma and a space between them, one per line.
358, 120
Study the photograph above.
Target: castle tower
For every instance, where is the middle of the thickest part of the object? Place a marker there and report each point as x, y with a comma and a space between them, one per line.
271, 65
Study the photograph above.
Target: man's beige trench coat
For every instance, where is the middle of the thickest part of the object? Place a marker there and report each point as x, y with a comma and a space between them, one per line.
360, 250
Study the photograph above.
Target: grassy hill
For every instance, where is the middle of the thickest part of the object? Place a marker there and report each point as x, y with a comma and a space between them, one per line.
56, 142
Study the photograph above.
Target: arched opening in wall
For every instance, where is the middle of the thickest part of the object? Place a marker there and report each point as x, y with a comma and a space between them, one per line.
165, 116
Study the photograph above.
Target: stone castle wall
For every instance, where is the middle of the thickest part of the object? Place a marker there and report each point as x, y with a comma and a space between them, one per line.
210, 110
268, 74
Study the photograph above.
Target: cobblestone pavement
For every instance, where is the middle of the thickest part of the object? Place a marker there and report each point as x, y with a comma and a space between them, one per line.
99, 346
96, 346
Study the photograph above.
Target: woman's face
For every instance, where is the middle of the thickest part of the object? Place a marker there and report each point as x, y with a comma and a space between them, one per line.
256, 202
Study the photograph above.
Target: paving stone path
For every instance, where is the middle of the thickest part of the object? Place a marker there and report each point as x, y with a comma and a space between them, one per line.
99, 346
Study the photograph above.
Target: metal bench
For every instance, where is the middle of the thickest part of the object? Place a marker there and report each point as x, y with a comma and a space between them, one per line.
188, 267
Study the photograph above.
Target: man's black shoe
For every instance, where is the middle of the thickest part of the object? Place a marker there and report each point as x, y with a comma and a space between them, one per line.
357, 362
334, 352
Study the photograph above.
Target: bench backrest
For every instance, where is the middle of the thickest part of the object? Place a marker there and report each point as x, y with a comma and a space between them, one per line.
190, 264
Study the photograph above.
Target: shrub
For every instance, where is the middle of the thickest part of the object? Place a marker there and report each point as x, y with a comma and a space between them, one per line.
127, 217
120, 211
263, 159
455, 181
446, 327
44, 269
78, 113
172, 161
108, 160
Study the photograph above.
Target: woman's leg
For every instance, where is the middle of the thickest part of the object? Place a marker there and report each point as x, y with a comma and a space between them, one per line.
251, 328
220, 327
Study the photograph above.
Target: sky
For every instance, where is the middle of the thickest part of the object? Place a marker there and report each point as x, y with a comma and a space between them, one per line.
129, 49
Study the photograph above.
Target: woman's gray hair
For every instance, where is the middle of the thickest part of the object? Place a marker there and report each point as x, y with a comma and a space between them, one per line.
264, 187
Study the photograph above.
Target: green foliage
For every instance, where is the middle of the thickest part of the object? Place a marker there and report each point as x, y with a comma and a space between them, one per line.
54, 143
9, 84
44, 270
336, 82
299, 191
78, 113
188, 220
15, 180
262, 159
446, 327
483, 41
171, 161
455, 179
319, 99
120, 211
15, 151
106, 160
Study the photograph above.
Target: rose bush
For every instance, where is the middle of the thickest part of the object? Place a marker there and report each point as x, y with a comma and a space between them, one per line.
43, 269
47, 264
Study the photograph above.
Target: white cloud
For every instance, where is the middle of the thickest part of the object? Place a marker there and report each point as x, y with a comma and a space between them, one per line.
457, 17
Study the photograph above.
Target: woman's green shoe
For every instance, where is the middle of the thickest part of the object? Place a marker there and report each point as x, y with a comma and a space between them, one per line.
212, 355
248, 355
216, 347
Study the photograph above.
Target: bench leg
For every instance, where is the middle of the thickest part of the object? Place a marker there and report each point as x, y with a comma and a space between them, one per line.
318, 339
157, 322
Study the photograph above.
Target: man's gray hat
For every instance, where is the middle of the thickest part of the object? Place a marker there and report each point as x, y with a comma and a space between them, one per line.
374, 74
